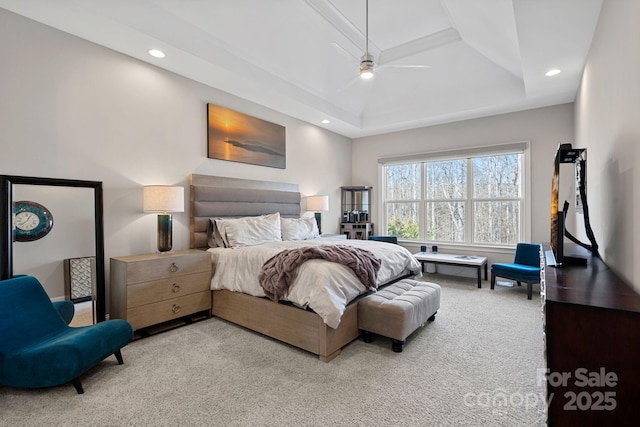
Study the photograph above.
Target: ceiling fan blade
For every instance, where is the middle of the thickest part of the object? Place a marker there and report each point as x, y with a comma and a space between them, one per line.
411, 67
349, 84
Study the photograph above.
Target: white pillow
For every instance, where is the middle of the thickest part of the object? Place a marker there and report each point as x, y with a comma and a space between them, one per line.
250, 230
299, 228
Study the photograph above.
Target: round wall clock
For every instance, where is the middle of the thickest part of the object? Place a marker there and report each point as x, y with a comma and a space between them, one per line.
31, 221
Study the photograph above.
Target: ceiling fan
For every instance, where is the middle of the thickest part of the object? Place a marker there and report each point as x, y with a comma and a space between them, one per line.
367, 64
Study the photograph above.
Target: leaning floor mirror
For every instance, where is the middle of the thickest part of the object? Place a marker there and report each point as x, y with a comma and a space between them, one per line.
53, 229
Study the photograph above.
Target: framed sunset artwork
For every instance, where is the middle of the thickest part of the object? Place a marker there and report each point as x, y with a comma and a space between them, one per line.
237, 137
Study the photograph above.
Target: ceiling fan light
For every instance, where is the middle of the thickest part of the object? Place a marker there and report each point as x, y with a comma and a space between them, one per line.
366, 73
366, 66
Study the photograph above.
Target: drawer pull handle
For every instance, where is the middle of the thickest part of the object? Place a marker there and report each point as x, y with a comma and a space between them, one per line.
174, 267
175, 288
176, 309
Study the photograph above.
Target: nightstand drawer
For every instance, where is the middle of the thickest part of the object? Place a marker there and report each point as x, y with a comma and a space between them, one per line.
164, 289
158, 312
146, 270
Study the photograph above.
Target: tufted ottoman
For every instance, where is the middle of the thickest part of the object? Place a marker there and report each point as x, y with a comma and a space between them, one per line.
397, 310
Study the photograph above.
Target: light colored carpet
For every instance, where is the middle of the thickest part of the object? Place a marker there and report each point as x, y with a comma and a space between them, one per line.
475, 365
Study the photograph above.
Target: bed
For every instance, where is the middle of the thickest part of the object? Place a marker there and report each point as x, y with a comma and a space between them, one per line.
292, 323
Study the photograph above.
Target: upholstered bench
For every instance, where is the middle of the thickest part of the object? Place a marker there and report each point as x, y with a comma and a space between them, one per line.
397, 310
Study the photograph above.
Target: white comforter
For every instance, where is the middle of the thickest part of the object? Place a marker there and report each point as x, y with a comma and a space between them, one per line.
323, 286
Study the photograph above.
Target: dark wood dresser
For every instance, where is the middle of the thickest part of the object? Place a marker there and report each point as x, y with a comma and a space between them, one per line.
592, 334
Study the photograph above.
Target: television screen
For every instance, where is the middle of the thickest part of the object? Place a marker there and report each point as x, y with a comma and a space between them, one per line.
557, 215
567, 154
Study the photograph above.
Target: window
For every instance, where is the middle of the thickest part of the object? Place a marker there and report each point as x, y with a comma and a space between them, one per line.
452, 198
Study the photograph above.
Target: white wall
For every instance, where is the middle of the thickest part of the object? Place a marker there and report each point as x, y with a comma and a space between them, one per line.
72, 109
608, 125
545, 128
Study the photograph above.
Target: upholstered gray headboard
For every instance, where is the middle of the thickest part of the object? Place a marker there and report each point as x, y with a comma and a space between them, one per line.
216, 197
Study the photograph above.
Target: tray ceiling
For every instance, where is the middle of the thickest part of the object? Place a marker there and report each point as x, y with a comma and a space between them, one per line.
301, 57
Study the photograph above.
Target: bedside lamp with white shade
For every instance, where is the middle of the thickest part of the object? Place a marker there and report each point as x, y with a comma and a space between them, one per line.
318, 204
163, 199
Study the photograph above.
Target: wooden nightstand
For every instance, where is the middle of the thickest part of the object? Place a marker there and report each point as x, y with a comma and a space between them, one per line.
155, 288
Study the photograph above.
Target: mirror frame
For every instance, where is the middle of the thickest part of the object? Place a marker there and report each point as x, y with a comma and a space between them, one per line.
6, 228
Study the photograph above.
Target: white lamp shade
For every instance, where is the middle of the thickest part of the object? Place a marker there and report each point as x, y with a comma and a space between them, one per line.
318, 203
163, 198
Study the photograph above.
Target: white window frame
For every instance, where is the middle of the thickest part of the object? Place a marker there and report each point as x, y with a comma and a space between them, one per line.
522, 147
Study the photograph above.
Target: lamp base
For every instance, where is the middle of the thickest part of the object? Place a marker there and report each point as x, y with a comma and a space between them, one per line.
165, 232
318, 216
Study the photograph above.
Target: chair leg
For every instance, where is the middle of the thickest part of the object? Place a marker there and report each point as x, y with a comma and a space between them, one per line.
519, 284
529, 290
493, 280
76, 381
119, 357
78, 385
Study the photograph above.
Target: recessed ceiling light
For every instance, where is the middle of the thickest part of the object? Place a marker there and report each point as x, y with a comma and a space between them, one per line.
325, 121
157, 53
552, 72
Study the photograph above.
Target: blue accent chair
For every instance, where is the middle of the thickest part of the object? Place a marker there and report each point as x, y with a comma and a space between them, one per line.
525, 267
388, 239
37, 346
66, 309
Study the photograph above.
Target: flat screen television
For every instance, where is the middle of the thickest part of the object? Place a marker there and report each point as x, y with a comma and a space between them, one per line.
578, 156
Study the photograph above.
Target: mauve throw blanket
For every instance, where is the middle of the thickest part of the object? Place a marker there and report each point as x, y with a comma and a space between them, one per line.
279, 271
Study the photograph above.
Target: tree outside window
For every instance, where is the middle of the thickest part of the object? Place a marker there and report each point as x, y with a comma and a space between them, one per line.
475, 200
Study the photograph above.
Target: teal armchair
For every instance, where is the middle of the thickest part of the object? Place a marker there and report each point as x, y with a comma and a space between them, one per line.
66, 309
524, 268
37, 346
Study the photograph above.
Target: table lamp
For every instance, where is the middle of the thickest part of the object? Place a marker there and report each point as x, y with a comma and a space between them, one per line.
163, 199
318, 204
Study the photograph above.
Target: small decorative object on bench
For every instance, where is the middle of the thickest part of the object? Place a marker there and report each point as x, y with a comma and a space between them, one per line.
397, 310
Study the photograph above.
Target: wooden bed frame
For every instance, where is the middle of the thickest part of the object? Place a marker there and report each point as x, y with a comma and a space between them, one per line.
215, 197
